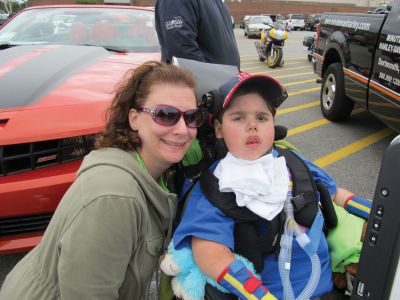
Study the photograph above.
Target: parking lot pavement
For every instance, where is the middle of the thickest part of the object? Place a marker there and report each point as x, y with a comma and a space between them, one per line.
7, 262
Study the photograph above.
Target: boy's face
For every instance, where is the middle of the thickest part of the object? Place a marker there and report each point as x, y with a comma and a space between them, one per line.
247, 127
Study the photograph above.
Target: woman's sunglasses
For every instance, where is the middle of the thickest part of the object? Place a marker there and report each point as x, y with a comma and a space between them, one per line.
167, 115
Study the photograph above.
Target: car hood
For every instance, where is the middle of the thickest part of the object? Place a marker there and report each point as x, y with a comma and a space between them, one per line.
257, 25
49, 92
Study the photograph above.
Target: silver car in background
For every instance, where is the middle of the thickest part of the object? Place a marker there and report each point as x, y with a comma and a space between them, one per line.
294, 22
256, 24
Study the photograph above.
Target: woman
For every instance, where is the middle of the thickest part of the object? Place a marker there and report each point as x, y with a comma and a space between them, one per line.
107, 233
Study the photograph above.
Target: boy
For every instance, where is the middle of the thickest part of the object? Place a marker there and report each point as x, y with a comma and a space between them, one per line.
259, 179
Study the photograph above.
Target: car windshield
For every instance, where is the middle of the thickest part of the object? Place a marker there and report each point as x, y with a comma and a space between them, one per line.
260, 20
118, 29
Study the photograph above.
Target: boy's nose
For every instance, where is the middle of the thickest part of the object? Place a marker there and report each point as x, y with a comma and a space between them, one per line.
252, 126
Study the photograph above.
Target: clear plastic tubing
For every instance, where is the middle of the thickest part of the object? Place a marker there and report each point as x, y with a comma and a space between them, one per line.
285, 255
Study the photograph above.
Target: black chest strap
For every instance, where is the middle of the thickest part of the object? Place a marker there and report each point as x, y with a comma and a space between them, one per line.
253, 245
304, 191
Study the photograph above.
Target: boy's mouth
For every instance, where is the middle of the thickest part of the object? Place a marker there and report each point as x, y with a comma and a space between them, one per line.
253, 140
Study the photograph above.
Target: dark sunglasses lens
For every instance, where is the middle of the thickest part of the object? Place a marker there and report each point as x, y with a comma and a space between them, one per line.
193, 118
166, 115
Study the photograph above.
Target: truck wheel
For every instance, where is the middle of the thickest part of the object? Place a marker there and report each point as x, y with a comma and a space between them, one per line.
275, 59
335, 105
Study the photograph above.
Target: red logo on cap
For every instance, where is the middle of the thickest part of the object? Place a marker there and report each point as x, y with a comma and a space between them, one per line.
243, 75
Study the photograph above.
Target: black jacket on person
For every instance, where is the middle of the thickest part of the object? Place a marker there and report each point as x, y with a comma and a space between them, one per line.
196, 29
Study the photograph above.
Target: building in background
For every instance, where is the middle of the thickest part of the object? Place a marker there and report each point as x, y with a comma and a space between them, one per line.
240, 8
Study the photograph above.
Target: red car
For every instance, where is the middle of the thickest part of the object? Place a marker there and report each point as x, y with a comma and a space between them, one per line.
59, 66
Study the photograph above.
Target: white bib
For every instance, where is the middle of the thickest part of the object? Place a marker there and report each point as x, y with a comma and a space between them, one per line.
261, 185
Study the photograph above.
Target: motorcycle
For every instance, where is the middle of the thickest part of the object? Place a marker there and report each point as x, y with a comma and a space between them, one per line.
309, 46
270, 47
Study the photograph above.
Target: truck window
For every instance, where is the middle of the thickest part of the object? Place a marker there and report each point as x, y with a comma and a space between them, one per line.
298, 17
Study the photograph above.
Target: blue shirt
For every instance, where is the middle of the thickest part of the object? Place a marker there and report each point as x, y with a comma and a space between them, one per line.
202, 219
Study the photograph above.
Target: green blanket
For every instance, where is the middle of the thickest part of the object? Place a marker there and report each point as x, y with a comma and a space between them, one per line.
344, 240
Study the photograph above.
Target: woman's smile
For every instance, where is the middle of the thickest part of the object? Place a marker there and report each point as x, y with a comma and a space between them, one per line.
174, 144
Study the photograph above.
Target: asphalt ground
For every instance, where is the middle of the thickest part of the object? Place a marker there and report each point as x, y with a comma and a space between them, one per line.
351, 151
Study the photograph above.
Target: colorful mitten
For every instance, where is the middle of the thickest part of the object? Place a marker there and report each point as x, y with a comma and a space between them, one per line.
240, 281
358, 206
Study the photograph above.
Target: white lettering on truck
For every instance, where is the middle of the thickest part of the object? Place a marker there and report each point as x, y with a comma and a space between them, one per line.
389, 65
349, 24
393, 38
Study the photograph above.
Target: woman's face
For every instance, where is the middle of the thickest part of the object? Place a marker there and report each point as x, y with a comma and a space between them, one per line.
247, 127
163, 145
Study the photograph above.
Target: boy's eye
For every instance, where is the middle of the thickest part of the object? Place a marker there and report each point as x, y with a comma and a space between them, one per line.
262, 117
236, 117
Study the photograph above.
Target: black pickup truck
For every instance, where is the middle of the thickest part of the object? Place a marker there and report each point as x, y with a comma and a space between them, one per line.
358, 58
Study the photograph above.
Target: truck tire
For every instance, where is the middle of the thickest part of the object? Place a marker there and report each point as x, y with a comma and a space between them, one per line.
274, 60
335, 105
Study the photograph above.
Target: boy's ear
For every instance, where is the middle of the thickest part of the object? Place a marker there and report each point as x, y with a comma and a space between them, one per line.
133, 119
218, 129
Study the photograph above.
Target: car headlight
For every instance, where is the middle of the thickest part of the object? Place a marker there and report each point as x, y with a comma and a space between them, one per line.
76, 147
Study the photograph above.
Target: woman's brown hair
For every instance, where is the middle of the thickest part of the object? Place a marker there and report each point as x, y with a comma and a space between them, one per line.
131, 93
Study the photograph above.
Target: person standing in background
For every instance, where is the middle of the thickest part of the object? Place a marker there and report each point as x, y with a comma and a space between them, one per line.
200, 30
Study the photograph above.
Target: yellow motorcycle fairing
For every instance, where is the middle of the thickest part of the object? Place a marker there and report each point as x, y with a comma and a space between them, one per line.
263, 36
272, 34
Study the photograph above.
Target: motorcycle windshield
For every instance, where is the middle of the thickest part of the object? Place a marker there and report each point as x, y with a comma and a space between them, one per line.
278, 26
